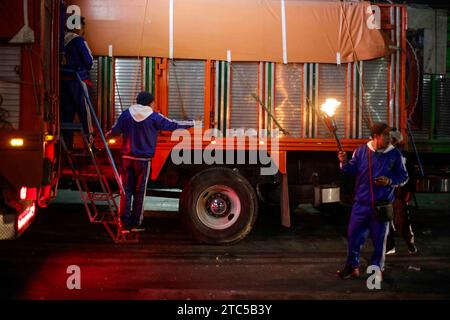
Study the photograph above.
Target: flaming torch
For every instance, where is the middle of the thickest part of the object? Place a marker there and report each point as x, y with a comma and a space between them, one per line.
329, 109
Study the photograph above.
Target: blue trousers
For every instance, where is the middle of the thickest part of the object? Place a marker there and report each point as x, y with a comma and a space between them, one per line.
362, 223
74, 102
134, 179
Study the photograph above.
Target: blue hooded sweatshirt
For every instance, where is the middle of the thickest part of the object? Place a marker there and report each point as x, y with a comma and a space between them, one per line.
139, 126
388, 163
78, 55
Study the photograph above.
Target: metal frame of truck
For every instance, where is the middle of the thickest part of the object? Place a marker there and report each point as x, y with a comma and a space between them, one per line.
38, 160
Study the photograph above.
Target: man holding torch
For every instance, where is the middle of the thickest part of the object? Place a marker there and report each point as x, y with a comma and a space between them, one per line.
378, 168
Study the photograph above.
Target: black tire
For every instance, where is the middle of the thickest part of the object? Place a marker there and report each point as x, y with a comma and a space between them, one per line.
236, 198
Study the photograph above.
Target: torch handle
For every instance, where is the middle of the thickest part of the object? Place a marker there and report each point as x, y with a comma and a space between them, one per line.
338, 142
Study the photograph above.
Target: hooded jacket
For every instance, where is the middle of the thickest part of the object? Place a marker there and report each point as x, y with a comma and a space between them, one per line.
78, 55
388, 163
139, 126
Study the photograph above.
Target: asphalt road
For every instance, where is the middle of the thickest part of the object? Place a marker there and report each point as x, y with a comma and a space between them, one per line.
271, 263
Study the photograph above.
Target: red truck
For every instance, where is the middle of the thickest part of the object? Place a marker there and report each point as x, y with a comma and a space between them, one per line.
265, 67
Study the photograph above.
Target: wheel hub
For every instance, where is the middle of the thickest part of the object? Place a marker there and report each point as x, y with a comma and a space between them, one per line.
218, 205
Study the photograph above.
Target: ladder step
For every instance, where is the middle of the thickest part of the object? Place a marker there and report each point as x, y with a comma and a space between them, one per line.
71, 126
81, 154
105, 217
87, 176
102, 196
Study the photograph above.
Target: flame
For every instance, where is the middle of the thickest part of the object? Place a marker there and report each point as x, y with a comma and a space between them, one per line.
330, 106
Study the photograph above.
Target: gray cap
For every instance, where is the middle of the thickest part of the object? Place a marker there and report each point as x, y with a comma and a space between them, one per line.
397, 135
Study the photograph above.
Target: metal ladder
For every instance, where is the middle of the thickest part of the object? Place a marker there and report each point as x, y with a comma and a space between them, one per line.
419, 162
416, 153
85, 169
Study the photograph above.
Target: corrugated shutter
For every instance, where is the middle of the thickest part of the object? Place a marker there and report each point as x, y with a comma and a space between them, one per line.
186, 89
423, 132
443, 108
9, 87
128, 83
375, 94
288, 97
332, 85
244, 107
94, 78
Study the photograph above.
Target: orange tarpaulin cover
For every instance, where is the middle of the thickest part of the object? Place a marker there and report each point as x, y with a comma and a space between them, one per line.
315, 31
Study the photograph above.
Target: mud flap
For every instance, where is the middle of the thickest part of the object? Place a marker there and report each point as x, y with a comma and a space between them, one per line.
284, 201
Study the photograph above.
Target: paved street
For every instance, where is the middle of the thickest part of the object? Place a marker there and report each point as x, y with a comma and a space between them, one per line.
271, 263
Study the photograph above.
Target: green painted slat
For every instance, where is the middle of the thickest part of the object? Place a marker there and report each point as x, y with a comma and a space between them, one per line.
434, 80
219, 97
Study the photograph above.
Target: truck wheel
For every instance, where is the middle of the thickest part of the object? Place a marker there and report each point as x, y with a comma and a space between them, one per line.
218, 206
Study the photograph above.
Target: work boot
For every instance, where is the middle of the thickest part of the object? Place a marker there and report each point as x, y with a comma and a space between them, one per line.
348, 272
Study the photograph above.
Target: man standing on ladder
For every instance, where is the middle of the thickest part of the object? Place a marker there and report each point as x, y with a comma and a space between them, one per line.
78, 58
139, 126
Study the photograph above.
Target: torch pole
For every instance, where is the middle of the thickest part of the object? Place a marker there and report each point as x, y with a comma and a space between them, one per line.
338, 141
332, 127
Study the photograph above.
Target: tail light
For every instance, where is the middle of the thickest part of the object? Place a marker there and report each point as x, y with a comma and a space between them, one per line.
25, 217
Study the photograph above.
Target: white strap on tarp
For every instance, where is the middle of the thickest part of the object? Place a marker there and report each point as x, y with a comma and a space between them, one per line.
229, 56
170, 29
283, 30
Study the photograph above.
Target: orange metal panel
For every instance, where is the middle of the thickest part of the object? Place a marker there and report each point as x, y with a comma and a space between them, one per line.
284, 201
285, 144
164, 102
161, 86
158, 162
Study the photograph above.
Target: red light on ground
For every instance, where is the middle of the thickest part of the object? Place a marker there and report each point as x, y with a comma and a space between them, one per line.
23, 193
25, 217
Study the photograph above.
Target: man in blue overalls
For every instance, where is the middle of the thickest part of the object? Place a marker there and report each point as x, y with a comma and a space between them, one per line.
77, 57
139, 126
388, 171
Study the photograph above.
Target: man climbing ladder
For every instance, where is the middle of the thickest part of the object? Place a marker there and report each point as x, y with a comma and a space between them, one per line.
139, 126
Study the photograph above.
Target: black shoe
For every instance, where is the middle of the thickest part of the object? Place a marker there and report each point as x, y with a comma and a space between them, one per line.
348, 272
138, 229
412, 249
